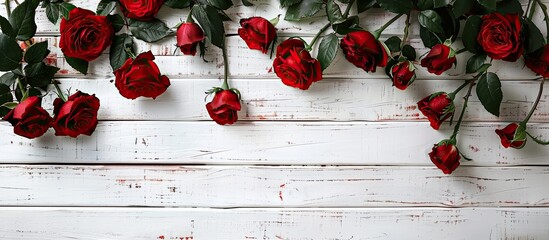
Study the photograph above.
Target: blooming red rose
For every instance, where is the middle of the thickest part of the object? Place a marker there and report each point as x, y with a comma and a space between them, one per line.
84, 35
403, 74
188, 36
78, 115
445, 156
439, 59
140, 77
437, 108
257, 32
29, 119
363, 50
510, 138
295, 66
143, 10
224, 107
539, 61
499, 36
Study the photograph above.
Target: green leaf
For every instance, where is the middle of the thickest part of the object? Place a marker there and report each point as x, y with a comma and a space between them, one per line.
22, 20
510, 6
431, 20
287, 3
5, 94
247, 3
469, 37
327, 50
210, 20
219, 4
364, 5
396, 6
475, 62
409, 52
52, 11
65, 9
10, 53
489, 92
78, 64
428, 38
442, 3
105, 7
461, 7
490, 4
39, 74
8, 78
303, 10
347, 26
393, 43
177, 4
37, 52
118, 54
149, 31
333, 11
10, 105
117, 22
425, 4
534, 38
6, 27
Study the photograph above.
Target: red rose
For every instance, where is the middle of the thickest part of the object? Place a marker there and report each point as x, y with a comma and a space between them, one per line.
78, 115
499, 36
295, 66
84, 35
140, 77
29, 119
439, 59
539, 61
188, 36
437, 108
363, 50
257, 32
224, 107
445, 156
143, 10
509, 137
403, 75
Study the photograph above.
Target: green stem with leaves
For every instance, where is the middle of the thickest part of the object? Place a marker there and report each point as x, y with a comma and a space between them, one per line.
466, 100
323, 29
545, 14
349, 5
225, 85
378, 32
535, 103
406, 31
59, 92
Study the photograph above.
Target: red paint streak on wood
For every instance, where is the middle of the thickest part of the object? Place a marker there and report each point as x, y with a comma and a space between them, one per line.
51, 59
280, 192
63, 71
161, 237
411, 108
473, 148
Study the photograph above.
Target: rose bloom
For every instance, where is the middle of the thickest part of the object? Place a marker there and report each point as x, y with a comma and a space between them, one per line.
499, 36
143, 10
508, 134
437, 108
140, 77
78, 115
445, 156
439, 59
84, 35
403, 74
363, 50
295, 66
188, 36
539, 61
224, 107
258, 33
29, 119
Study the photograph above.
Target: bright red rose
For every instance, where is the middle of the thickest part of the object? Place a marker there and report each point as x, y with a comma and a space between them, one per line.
403, 75
499, 36
29, 119
539, 61
509, 137
437, 108
84, 35
140, 77
143, 10
257, 32
78, 115
224, 107
188, 36
439, 59
295, 66
363, 50
445, 156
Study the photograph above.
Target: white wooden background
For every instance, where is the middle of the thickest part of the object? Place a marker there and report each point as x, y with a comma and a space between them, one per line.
345, 160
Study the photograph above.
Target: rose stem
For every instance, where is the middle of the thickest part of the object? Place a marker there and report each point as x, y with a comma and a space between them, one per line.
225, 85
318, 35
59, 92
346, 14
8, 8
535, 103
22, 88
456, 128
546, 16
528, 7
461, 51
378, 32
406, 31
532, 11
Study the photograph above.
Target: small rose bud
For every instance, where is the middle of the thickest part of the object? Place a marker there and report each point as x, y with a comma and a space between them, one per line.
440, 58
437, 108
188, 36
445, 156
512, 136
403, 74
224, 107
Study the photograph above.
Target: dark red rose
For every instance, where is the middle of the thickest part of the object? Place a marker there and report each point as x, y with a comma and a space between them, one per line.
439, 59
257, 32
78, 115
188, 36
509, 137
84, 35
140, 77
499, 36
403, 74
29, 119
143, 10
437, 108
363, 50
295, 66
445, 156
224, 107
539, 61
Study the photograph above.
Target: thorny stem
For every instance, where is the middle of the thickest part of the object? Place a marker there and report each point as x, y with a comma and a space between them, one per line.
350, 4
378, 32
318, 35
225, 85
406, 31
535, 103
59, 92
456, 128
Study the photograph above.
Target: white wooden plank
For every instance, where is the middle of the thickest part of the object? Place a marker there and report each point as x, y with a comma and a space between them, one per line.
317, 224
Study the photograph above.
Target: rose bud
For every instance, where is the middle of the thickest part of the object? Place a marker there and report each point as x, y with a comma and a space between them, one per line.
188, 36
445, 156
143, 10
140, 77
499, 36
510, 137
78, 115
539, 61
440, 58
258, 33
224, 107
295, 66
437, 108
84, 35
29, 119
403, 74
363, 50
